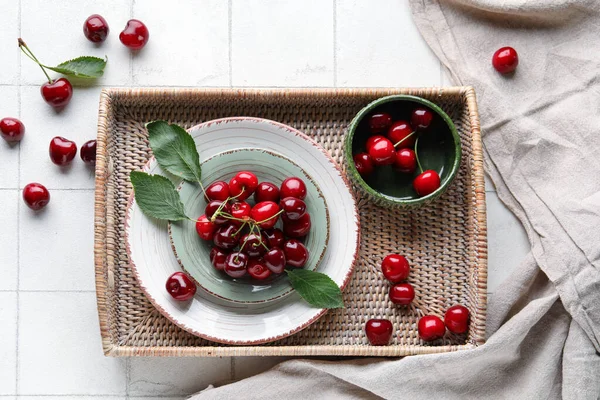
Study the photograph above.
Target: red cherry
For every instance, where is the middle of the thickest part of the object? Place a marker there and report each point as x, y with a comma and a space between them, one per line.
293, 208
242, 185
426, 183
382, 152
406, 161
253, 245
275, 238
211, 209
62, 151
218, 258
379, 331
505, 60
421, 118
395, 268
275, 260
379, 122
205, 228
372, 140
58, 93
180, 286
258, 270
402, 293
226, 237
266, 191
298, 228
240, 210
12, 129
135, 35
457, 319
95, 28
431, 328
218, 190
88, 152
235, 264
293, 187
36, 196
265, 211
296, 254
399, 131
363, 164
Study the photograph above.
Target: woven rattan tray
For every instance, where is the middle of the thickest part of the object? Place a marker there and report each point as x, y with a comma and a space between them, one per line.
445, 242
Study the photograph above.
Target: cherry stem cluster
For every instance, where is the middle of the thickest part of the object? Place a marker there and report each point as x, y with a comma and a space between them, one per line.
30, 54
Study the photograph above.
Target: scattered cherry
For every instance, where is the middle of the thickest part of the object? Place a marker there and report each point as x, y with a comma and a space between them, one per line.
426, 183
401, 130
275, 260
431, 328
57, 93
12, 129
265, 214
36, 196
298, 228
372, 140
363, 164
266, 191
296, 254
421, 118
382, 152
180, 286
457, 319
218, 257
293, 208
95, 28
205, 228
218, 190
379, 122
406, 161
235, 264
293, 187
62, 151
402, 293
88, 152
275, 237
395, 268
242, 185
253, 245
258, 270
379, 331
211, 209
226, 237
135, 35
505, 60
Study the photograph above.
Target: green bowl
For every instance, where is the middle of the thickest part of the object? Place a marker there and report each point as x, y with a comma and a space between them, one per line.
439, 149
192, 253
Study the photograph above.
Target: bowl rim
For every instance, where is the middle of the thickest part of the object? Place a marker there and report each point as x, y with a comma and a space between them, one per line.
291, 289
348, 156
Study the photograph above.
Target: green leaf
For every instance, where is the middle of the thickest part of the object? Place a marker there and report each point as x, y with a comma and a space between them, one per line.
316, 288
157, 197
81, 67
175, 150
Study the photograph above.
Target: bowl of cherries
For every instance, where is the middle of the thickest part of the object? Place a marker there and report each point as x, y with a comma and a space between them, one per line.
258, 214
402, 151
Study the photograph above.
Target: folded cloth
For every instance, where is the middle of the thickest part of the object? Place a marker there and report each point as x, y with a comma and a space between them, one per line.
541, 130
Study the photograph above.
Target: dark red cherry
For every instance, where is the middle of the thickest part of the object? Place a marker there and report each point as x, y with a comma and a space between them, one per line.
363, 164
297, 228
95, 28
505, 60
135, 35
296, 254
406, 161
12, 129
266, 191
293, 208
242, 185
431, 328
240, 210
88, 152
180, 286
379, 122
382, 152
218, 258
36, 196
402, 293
275, 260
395, 268
226, 237
253, 244
205, 228
218, 190
421, 118
456, 319
426, 183
293, 187
211, 209
258, 270
379, 331
57, 93
372, 140
235, 264
275, 237
265, 214
398, 135
62, 151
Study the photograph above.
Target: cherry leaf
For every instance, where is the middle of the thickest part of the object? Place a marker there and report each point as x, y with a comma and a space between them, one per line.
157, 196
316, 288
81, 67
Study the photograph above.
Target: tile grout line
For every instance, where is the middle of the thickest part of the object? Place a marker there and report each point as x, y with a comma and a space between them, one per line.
127, 377
335, 83
232, 369
131, 53
18, 298
230, 39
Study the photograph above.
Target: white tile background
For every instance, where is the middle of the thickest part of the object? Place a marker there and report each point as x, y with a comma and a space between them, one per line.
49, 334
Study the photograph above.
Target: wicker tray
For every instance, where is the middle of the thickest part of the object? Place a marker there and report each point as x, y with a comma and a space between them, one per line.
445, 242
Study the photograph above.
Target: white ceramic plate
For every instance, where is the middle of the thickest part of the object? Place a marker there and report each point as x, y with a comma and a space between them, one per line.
152, 258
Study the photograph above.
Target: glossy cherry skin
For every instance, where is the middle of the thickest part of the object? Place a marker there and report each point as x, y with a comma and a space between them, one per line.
205, 228
293, 187
296, 254
372, 140
421, 118
62, 151
505, 60
253, 245
218, 190
235, 264
402, 293
406, 161
135, 35
240, 210
379, 122
58, 93
36, 196
431, 328
95, 28
379, 331
363, 164
426, 183
399, 131
275, 260
180, 286
293, 208
11, 129
395, 268
274, 237
218, 257
382, 152
258, 270
226, 238
266, 191
211, 209
298, 228
242, 185
265, 211
88, 152
456, 319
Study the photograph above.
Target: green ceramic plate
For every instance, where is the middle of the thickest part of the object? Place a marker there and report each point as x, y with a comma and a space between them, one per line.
193, 252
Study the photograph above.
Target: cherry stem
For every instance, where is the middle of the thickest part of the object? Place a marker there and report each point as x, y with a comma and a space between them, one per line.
241, 228
218, 212
417, 155
238, 195
404, 138
30, 54
270, 218
203, 191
